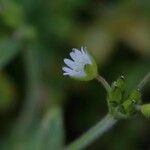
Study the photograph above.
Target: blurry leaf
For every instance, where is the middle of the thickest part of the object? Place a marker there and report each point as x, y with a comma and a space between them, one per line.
50, 136
27, 32
137, 35
7, 94
8, 49
52, 130
12, 14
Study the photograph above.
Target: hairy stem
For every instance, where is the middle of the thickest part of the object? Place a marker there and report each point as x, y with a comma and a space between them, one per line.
90, 136
144, 81
104, 83
104, 125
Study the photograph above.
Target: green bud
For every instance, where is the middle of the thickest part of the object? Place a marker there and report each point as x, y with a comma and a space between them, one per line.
118, 88
136, 96
128, 106
121, 83
145, 109
115, 95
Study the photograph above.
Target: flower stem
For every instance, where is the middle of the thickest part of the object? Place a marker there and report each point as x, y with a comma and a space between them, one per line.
104, 83
90, 136
144, 81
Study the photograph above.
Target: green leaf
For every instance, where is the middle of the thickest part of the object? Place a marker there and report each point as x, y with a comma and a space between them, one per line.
47, 135
50, 135
12, 14
8, 50
7, 93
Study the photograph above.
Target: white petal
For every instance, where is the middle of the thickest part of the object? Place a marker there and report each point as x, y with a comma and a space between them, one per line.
69, 63
65, 73
88, 59
86, 56
76, 58
68, 71
73, 56
78, 54
75, 67
83, 50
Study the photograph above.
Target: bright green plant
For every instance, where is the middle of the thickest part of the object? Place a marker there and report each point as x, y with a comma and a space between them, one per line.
121, 105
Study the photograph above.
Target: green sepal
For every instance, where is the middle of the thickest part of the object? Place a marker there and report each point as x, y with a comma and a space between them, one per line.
121, 83
90, 70
145, 109
115, 95
129, 107
136, 96
117, 90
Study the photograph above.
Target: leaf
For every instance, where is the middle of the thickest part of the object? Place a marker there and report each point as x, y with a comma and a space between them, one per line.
55, 134
7, 93
8, 50
12, 14
50, 135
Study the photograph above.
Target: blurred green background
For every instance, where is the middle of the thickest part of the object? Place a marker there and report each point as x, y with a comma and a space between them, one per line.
40, 109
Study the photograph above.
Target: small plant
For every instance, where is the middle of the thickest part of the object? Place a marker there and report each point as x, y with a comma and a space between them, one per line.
121, 105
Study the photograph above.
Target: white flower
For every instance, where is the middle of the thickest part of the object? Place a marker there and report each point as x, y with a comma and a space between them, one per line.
77, 67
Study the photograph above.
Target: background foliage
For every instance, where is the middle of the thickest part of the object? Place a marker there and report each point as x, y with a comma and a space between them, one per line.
39, 108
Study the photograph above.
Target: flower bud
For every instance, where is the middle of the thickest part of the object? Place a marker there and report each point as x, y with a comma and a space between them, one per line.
128, 106
136, 96
145, 109
121, 83
117, 90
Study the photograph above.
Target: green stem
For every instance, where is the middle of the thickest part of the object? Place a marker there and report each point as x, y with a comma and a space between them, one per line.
104, 83
104, 125
144, 81
95, 132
